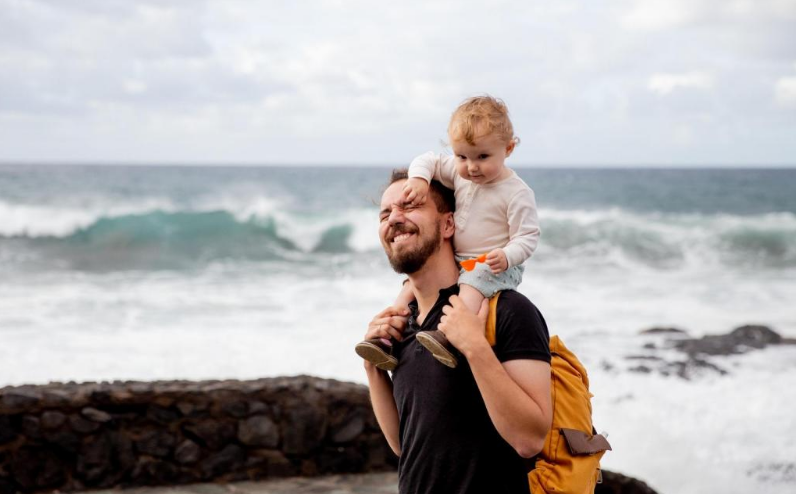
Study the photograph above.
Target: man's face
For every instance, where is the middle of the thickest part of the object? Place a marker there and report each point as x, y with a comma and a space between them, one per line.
409, 234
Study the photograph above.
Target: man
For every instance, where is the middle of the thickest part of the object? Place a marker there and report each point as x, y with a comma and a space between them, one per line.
471, 428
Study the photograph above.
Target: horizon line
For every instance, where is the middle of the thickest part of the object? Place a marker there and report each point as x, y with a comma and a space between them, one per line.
218, 164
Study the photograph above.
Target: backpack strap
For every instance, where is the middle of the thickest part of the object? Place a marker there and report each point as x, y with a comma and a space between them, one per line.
491, 321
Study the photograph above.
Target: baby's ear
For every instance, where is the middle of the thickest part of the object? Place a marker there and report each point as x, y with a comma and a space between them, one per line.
510, 147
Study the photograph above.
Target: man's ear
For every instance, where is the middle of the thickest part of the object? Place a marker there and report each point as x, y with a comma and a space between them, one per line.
448, 226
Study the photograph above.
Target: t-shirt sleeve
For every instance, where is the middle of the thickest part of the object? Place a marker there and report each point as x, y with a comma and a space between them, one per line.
521, 331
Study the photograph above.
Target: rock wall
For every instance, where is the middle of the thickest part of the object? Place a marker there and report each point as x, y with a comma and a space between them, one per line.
81, 436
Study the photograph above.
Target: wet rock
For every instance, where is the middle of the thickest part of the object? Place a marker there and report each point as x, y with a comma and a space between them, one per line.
52, 420
228, 459
156, 443
81, 425
616, 483
187, 452
349, 429
65, 441
151, 471
7, 487
96, 415
258, 431
19, 398
756, 336
663, 330
259, 408
740, 340
35, 469
7, 433
161, 415
31, 426
211, 433
237, 409
304, 429
95, 459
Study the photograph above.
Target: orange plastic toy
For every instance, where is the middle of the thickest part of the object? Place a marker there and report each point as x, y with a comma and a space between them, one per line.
469, 264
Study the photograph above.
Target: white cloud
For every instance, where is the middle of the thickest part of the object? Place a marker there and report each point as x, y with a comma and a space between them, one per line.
359, 81
663, 84
785, 92
654, 15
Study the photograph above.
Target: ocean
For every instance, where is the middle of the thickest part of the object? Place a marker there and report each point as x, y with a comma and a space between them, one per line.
179, 272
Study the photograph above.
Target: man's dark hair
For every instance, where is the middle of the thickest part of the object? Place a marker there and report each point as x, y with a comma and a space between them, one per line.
442, 196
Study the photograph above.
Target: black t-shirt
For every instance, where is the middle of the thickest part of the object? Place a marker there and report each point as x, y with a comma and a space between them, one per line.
448, 442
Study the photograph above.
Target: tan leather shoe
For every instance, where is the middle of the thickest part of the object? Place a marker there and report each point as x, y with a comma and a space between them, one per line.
378, 353
437, 343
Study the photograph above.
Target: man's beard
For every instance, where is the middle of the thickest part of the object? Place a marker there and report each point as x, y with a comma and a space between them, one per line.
409, 262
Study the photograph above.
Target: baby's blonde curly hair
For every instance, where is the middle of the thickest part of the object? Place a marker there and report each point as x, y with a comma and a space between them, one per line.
481, 116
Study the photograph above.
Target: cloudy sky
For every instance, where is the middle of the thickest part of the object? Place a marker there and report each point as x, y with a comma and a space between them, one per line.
623, 82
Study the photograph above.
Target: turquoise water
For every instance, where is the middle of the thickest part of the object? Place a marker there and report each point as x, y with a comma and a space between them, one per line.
153, 218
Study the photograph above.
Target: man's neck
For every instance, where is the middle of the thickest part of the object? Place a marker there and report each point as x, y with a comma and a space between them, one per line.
440, 271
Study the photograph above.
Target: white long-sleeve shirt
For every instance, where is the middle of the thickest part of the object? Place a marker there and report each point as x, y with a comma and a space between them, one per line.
488, 216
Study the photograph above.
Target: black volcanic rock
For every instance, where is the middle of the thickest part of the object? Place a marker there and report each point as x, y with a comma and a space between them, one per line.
616, 483
740, 340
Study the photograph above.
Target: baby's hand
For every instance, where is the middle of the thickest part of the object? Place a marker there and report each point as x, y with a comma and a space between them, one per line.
497, 261
415, 191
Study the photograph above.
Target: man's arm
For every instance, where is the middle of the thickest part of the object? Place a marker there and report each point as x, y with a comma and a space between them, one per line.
389, 323
516, 393
384, 405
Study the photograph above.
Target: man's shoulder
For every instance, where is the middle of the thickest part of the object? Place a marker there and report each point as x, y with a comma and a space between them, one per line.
512, 300
521, 331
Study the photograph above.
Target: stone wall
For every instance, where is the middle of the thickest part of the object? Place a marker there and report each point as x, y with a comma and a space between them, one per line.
81, 436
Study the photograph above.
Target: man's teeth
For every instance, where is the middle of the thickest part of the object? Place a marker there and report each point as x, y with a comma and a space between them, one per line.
401, 237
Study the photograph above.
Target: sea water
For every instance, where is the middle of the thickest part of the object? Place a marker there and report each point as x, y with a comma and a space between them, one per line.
114, 272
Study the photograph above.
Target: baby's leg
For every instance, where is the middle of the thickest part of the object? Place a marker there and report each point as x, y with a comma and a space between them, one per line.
472, 297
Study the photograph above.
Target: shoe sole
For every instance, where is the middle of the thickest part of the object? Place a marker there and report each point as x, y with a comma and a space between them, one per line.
376, 356
437, 350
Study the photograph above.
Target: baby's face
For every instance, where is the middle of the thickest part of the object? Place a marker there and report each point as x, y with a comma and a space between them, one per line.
484, 161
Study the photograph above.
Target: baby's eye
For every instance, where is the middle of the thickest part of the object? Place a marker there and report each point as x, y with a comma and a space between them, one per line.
461, 157
483, 156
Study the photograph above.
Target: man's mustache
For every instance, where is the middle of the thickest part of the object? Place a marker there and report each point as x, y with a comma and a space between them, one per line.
399, 230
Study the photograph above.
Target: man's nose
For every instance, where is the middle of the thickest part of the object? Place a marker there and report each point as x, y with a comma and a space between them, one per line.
396, 216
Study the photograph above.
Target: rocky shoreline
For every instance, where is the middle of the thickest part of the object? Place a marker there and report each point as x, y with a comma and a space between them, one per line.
74, 437
673, 352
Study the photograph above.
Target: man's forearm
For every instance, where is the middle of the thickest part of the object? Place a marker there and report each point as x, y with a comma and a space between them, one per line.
519, 418
384, 406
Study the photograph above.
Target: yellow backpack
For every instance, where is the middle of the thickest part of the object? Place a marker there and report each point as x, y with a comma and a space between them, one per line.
569, 463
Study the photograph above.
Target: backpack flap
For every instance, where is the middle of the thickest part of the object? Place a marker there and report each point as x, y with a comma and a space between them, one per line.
581, 443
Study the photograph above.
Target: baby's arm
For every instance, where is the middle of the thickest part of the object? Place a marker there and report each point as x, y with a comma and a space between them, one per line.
432, 166
523, 228
405, 296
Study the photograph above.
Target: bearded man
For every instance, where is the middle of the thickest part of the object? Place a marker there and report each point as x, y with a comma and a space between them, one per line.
473, 428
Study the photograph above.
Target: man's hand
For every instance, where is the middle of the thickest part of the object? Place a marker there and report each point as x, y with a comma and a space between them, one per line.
389, 323
415, 191
464, 329
497, 261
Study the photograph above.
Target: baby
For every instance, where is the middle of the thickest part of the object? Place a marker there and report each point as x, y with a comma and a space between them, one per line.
495, 214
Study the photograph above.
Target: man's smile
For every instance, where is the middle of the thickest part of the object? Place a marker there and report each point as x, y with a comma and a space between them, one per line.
401, 237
